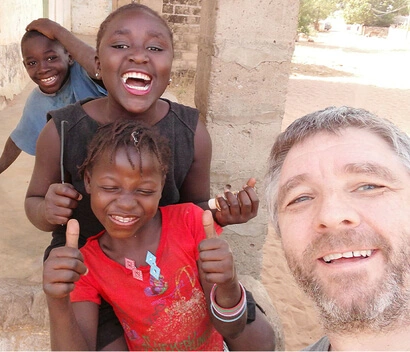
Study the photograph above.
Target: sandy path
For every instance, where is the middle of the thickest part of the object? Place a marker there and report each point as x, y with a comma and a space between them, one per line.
21, 244
343, 69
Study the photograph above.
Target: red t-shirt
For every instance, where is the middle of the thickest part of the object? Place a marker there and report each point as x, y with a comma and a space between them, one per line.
165, 314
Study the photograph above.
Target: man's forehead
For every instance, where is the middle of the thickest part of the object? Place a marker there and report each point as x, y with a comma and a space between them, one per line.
348, 146
347, 136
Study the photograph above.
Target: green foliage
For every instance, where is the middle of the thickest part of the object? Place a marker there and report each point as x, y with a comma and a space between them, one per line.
312, 11
374, 12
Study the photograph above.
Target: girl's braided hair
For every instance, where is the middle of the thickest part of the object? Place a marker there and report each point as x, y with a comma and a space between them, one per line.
127, 134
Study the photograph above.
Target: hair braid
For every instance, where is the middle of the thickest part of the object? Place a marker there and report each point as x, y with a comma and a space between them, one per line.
119, 134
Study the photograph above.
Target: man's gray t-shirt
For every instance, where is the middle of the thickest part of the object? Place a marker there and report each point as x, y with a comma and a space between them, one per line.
322, 345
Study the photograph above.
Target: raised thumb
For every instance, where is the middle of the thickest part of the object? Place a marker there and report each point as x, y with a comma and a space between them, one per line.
208, 222
72, 233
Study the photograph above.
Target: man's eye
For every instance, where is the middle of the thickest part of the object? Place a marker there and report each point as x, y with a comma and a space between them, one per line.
300, 200
369, 187
51, 58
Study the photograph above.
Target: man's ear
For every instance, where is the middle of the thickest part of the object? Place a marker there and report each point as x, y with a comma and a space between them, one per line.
87, 180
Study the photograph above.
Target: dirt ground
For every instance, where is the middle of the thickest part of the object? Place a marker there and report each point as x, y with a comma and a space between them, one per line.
21, 245
336, 69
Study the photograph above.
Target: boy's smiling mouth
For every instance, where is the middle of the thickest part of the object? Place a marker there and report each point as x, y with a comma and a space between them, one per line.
48, 80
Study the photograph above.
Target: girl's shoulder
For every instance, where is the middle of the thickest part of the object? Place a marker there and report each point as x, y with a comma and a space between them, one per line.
183, 110
69, 111
187, 115
74, 115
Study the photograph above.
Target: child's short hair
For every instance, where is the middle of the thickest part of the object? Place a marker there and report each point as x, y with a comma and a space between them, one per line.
35, 34
127, 134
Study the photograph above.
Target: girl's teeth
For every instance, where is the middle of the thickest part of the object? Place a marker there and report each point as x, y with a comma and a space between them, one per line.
121, 219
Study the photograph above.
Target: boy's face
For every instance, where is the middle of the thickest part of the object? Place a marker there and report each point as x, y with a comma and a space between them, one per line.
46, 62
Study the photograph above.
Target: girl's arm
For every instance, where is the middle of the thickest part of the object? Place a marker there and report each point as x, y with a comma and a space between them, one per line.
83, 53
216, 265
222, 289
257, 336
48, 202
73, 326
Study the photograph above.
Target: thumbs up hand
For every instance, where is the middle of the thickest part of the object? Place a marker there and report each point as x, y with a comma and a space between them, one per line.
65, 265
216, 264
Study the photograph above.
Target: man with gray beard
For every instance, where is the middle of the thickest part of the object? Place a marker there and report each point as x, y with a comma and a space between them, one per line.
338, 191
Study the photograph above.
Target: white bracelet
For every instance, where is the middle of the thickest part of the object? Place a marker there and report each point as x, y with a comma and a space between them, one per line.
232, 314
227, 320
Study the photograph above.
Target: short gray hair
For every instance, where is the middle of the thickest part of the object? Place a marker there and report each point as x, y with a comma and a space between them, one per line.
331, 120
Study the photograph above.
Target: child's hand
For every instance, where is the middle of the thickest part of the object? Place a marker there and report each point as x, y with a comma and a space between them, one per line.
65, 265
44, 26
216, 265
59, 202
215, 257
239, 208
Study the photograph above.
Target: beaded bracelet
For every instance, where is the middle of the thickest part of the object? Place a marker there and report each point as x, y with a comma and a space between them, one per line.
234, 313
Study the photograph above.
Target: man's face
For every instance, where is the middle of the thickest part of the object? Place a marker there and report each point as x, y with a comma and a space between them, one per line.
343, 212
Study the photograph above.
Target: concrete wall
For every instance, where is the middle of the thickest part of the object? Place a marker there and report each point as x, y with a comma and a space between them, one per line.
14, 17
59, 11
24, 324
87, 15
245, 51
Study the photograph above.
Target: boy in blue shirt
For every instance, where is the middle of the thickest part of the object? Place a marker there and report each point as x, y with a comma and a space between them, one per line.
61, 81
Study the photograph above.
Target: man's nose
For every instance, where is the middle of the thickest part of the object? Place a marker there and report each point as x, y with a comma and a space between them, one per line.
335, 211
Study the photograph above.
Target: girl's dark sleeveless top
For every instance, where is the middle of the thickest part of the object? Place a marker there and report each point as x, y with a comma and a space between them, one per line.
178, 126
